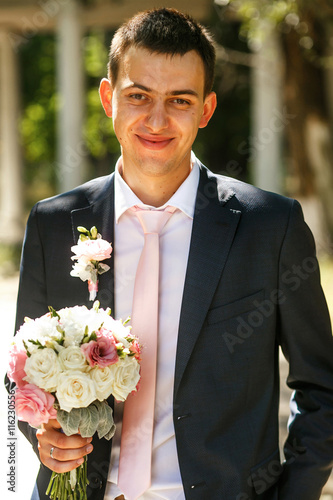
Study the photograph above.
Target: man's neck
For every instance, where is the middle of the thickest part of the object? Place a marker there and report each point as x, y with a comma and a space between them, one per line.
154, 191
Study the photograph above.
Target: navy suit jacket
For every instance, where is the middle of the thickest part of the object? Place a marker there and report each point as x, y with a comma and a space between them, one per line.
252, 284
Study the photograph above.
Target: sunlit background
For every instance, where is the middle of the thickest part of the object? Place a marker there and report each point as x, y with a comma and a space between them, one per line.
273, 126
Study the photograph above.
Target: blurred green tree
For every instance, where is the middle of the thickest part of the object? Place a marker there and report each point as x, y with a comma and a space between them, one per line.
39, 102
219, 144
98, 131
38, 116
305, 31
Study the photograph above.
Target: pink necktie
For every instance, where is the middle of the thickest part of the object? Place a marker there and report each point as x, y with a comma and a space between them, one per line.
134, 476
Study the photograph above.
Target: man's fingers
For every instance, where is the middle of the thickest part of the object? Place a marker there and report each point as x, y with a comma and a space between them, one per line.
62, 455
63, 460
67, 451
60, 467
54, 437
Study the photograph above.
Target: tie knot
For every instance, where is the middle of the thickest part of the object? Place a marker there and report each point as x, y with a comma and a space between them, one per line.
153, 221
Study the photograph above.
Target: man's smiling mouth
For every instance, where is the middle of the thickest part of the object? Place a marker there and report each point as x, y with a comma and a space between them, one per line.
154, 142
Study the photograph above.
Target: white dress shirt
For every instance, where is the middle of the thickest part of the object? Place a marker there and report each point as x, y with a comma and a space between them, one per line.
174, 248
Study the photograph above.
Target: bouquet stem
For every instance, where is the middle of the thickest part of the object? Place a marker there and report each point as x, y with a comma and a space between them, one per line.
65, 486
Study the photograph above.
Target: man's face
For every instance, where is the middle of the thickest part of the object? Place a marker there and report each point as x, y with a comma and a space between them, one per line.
157, 106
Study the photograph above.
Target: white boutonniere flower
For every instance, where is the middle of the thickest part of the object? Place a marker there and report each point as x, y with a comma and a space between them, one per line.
90, 250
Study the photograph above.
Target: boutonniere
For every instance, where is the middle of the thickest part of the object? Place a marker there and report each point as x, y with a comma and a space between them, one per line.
90, 250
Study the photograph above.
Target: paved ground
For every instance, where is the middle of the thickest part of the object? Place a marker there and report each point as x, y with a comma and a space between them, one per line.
16, 447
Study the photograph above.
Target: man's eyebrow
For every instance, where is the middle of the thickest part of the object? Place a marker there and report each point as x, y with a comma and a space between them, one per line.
184, 92
172, 93
139, 86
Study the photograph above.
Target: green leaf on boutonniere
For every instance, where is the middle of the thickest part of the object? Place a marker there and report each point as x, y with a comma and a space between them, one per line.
82, 229
102, 268
93, 233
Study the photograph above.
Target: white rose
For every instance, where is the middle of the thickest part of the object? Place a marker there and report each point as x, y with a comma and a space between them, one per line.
102, 378
95, 319
125, 377
43, 369
44, 329
118, 329
46, 326
82, 270
74, 322
72, 358
75, 390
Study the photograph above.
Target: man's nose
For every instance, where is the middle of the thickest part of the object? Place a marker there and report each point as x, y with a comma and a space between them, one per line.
157, 118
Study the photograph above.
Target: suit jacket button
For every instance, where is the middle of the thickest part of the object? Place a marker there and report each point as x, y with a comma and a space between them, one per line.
180, 417
197, 485
97, 482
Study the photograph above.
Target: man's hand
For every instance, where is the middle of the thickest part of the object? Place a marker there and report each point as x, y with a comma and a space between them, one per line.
68, 451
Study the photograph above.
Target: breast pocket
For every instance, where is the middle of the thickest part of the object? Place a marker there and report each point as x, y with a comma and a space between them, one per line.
237, 308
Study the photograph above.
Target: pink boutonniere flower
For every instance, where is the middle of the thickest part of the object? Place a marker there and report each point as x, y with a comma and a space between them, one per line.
90, 250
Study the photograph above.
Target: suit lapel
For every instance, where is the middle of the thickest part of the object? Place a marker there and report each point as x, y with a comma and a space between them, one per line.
99, 213
214, 227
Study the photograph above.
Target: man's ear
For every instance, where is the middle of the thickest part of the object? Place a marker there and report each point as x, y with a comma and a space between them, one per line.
105, 93
208, 110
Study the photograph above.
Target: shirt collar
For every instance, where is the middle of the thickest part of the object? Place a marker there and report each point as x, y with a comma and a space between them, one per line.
183, 199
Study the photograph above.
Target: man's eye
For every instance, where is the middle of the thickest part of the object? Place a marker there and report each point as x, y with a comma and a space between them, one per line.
181, 102
137, 97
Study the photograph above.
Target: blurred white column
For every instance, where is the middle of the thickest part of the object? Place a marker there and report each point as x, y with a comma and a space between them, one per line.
11, 224
269, 118
71, 152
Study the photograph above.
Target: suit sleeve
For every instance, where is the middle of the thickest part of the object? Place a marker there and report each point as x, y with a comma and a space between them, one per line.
32, 297
306, 341
32, 292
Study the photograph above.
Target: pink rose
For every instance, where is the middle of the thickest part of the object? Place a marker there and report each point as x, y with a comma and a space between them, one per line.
92, 250
33, 405
17, 359
101, 352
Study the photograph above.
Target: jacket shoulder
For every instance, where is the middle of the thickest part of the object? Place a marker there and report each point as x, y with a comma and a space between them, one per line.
79, 197
249, 198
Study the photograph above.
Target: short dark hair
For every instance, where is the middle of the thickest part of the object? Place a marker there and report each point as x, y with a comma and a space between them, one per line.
164, 31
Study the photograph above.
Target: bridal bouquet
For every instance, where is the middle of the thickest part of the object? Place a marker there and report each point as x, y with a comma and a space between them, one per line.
65, 365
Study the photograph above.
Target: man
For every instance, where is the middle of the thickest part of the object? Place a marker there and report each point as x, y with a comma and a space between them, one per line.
238, 278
